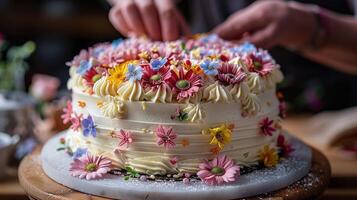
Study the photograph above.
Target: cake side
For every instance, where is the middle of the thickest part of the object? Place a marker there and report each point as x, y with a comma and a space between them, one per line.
192, 145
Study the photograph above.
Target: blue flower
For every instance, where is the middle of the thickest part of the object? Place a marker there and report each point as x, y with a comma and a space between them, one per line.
209, 38
245, 48
79, 153
157, 64
97, 51
135, 72
210, 67
117, 42
89, 127
85, 66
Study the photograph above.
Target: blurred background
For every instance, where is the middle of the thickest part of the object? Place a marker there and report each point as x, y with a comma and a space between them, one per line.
37, 38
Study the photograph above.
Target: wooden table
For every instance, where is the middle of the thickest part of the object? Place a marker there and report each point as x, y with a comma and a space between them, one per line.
38, 186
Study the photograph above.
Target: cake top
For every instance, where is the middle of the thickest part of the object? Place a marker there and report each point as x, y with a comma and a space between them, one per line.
204, 68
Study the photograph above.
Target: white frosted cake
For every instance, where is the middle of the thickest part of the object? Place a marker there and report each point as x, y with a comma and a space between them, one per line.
200, 108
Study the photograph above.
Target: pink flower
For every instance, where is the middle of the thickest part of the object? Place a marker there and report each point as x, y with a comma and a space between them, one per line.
154, 79
165, 136
83, 55
282, 109
44, 87
76, 122
230, 74
266, 126
185, 84
90, 167
258, 64
285, 147
124, 138
67, 112
218, 171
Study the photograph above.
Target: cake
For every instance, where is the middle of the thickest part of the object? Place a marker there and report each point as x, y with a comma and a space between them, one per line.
198, 108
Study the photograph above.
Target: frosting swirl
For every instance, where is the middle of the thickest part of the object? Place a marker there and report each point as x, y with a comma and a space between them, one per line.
75, 80
216, 93
239, 91
131, 91
255, 83
274, 77
162, 94
103, 87
194, 112
251, 104
113, 108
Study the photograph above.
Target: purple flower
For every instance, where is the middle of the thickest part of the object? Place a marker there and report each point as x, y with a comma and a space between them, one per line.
89, 127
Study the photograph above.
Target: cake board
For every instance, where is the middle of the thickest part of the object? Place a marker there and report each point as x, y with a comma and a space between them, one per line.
56, 166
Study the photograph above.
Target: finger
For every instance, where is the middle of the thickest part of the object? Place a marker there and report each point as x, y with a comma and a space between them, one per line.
169, 24
241, 22
117, 20
132, 16
265, 38
150, 17
183, 24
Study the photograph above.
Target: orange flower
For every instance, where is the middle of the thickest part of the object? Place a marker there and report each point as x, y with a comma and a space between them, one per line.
185, 142
99, 104
215, 150
81, 104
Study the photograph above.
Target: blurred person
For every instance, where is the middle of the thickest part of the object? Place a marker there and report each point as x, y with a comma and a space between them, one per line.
304, 38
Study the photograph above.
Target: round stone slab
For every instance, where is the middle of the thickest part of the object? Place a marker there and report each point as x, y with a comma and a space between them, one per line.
56, 165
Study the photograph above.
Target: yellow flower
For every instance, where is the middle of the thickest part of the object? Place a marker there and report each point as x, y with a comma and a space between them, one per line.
220, 135
117, 73
269, 156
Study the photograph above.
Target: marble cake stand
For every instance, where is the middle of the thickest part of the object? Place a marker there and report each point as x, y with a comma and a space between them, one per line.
56, 164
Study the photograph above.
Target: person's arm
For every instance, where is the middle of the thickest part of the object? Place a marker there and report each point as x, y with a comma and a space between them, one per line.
294, 25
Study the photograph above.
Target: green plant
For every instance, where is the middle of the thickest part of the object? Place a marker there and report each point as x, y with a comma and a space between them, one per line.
13, 65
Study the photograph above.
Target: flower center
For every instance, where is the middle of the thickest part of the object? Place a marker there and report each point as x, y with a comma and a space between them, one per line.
155, 77
183, 84
91, 167
219, 136
217, 171
257, 65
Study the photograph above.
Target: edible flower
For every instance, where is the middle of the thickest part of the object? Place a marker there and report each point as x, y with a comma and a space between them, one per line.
220, 135
257, 63
218, 171
267, 127
268, 156
154, 79
135, 72
88, 127
210, 67
165, 136
76, 122
67, 112
117, 74
125, 138
285, 147
230, 74
90, 167
79, 153
185, 84
158, 63
85, 66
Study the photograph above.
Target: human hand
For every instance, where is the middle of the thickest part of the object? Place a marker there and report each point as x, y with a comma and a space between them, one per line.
270, 23
158, 19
